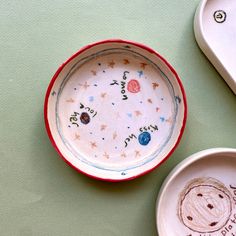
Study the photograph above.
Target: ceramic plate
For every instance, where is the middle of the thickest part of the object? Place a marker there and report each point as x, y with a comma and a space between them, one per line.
115, 110
215, 31
198, 198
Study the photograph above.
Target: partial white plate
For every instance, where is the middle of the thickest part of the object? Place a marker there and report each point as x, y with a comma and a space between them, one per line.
115, 110
199, 196
215, 32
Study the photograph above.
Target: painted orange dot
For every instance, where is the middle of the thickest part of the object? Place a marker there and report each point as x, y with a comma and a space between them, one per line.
133, 86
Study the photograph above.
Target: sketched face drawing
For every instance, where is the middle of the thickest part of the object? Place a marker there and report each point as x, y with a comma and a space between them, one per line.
205, 205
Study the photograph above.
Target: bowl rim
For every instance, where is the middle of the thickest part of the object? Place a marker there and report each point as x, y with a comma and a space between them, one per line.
54, 78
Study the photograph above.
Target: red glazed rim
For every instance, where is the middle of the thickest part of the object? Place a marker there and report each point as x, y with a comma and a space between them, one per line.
75, 55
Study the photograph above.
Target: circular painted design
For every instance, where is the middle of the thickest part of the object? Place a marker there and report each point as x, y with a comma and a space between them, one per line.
85, 118
144, 138
205, 208
133, 86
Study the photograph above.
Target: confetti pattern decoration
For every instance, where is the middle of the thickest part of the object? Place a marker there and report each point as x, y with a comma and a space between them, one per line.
103, 95
91, 98
94, 72
103, 127
93, 145
123, 155
155, 85
85, 85
138, 113
126, 61
140, 73
143, 65
111, 64
70, 100
114, 135
137, 154
108, 128
106, 155
77, 136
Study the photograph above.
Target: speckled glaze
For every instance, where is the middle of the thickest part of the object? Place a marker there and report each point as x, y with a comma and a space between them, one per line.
115, 110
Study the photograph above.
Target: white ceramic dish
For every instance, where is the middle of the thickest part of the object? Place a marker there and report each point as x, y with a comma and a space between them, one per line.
215, 32
115, 110
199, 196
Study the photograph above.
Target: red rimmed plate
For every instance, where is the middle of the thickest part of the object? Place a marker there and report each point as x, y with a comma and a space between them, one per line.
115, 110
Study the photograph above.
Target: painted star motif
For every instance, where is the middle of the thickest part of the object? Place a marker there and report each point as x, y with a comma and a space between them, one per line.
91, 98
93, 145
103, 95
111, 64
85, 85
129, 115
123, 155
77, 136
94, 72
106, 155
169, 120
103, 127
114, 135
157, 109
143, 65
155, 85
137, 153
138, 113
162, 119
126, 61
149, 100
70, 100
140, 73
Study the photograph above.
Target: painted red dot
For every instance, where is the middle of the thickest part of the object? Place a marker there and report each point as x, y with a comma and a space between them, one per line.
133, 86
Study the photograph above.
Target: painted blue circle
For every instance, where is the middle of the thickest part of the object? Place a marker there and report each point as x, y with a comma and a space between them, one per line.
144, 138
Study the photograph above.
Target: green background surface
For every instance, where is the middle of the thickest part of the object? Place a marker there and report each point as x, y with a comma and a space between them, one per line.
39, 193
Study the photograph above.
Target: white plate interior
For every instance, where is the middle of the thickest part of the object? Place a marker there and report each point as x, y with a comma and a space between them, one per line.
115, 110
199, 196
216, 25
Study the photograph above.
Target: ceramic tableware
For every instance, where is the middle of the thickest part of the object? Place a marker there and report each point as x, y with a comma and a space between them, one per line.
199, 196
115, 110
215, 32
